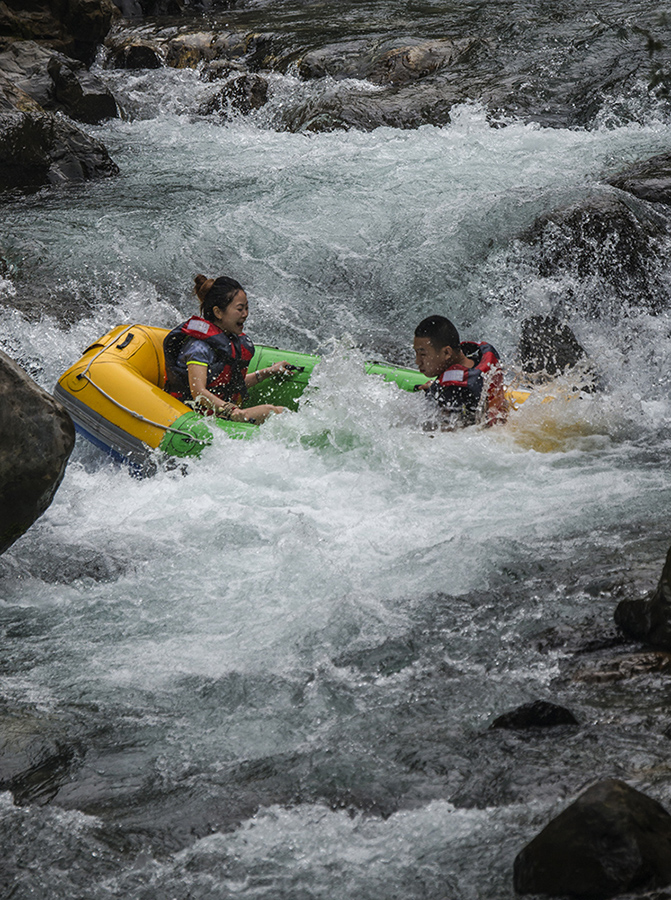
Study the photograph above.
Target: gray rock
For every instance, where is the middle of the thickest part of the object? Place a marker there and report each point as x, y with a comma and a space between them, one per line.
36, 439
548, 346
616, 240
56, 82
38, 148
75, 27
612, 839
242, 94
649, 180
538, 714
649, 619
79, 93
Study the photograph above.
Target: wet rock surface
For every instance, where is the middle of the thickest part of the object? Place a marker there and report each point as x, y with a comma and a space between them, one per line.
480, 57
74, 27
649, 619
609, 239
240, 95
537, 714
35, 754
650, 180
36, 439
612, 839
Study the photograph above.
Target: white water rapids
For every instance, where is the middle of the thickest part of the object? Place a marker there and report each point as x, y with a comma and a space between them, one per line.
216, 655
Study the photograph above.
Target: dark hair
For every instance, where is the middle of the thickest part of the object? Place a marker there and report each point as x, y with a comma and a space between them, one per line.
440, 331
215, 292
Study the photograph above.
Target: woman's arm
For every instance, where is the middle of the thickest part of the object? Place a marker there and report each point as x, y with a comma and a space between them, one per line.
198, 388
259, 375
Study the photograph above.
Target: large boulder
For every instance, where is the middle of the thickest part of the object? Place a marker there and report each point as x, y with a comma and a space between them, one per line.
79, 93
648, 619
612, 240
56, 82
612, 839
38, 148
36, 439
75, 27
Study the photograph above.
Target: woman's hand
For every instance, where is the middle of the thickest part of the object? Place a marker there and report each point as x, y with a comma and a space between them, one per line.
259, 375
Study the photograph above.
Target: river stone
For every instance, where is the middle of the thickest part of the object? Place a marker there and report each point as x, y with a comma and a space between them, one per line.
79, 93
36, 439
38, 148
243, 94
649, 619
612, 839
135, 55
34, 757
649, 180
613, 239
410, 63
537, 714
548, 346
57, 82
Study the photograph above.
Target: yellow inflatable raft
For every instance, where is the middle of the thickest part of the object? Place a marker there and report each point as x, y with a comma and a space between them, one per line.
115, 395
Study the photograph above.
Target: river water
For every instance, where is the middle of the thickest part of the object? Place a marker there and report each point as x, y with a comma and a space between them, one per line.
271, 676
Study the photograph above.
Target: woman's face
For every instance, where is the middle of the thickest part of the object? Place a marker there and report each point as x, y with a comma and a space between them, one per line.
232, 318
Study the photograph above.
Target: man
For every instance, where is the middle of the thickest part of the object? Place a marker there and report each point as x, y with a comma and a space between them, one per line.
468, 381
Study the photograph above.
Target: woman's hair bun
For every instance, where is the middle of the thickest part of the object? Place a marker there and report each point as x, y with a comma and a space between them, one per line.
203, 285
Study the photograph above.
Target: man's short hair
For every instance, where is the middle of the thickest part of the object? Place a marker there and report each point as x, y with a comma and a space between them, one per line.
440, 331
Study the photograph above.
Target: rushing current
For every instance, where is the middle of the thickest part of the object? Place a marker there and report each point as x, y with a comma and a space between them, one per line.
270, 674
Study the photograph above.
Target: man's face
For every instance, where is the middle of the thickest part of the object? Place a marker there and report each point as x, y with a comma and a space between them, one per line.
431, 362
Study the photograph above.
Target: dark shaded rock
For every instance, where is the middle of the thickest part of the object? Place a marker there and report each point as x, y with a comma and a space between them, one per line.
37, 148
548, 346
57, 82
36, 439
135, 55
614, 240
612, 839
537, 714
649, 180
75, 27
649, 619
80, 94
243, 95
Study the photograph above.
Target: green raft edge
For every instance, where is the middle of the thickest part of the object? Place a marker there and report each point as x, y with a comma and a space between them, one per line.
192, 432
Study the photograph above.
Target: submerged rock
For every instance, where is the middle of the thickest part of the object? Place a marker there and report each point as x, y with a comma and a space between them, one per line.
537, 714
615, 241
36, 439
612, 839
649, 180
242, 94
34, 757
649, 619
548, 346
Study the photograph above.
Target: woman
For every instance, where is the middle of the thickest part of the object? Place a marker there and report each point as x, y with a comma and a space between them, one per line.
206, 357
